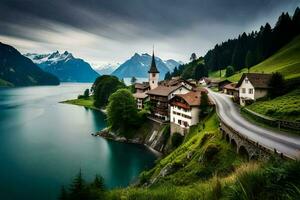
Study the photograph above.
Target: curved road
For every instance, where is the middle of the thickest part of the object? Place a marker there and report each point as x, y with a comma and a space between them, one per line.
285, 143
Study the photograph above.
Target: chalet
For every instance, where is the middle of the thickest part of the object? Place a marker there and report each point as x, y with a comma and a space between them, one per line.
231, 89
185, 111
221, 84
159, 99
141, 87
253, 86
178, 81
140, 98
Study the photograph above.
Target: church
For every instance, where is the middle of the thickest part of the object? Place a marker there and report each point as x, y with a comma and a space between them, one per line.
159, 93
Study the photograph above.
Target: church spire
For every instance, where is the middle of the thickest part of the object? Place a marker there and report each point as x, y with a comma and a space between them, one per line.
153, 68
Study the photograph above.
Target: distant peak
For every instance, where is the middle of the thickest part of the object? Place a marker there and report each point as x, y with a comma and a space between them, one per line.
145, 54
66, 53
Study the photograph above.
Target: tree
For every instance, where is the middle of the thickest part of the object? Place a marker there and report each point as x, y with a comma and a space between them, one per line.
99, 183
229, 71
193, 57
78, 189
133, 80
63, 194
200, 71
104, 86
167, 76
249, 60
204, 102
122, 113
277, 85
86, 93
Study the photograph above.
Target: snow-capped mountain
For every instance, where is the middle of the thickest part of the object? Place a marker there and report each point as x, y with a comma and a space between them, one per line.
138, 66
65, 66
107, 69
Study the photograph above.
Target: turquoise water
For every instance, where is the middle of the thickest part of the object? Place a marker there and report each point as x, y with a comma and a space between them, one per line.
43, 144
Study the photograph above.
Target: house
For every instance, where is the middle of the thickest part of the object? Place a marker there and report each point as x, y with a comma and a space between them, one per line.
140, 98
231, 89
178, 81
214, 83
141, 87
185, 111
221, 84
159, 99
204, 81
253, 86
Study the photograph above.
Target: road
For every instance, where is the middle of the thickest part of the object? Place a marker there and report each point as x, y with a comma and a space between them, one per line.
288, 144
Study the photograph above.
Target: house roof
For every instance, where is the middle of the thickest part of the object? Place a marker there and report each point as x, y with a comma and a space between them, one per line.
164, 90
231, 86
141, 86
258, 80
176, 81
224, 82
153, 68
193, 98
140, 95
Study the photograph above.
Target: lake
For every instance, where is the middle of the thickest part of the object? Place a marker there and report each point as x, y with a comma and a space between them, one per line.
44, 144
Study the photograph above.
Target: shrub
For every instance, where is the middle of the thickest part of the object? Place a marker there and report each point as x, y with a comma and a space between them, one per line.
229, 71
177, 139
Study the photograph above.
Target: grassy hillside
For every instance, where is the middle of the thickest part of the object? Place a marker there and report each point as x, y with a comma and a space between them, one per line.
207, 167
285, 61
286, 107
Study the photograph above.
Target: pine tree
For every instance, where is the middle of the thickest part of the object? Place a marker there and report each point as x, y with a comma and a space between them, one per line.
78, 190
63, 194
249, 60
204, 102
229, 71
277, 85
167, 76
99, 183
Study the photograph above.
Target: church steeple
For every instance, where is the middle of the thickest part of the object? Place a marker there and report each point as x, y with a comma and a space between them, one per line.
153, 73
153, 68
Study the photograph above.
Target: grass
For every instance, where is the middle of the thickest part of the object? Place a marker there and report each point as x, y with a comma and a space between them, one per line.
285, 61
286, 107
87, 103
220, 174
4, 83
216, 74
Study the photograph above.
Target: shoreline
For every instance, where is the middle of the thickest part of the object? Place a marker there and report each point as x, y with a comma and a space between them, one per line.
106, 134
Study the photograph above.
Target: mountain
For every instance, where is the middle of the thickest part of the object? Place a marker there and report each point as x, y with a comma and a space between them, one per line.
138, 66
107, 69
17, 70
65, 66
285, 61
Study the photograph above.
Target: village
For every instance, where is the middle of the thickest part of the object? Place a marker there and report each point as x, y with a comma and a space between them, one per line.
178, 101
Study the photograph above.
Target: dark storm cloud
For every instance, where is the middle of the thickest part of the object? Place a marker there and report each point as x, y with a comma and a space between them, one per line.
141, 21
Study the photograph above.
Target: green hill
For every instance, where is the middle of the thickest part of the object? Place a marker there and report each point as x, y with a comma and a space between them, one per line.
285, 61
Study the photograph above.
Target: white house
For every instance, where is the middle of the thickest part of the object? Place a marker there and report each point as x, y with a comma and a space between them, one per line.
253, 86
185, 111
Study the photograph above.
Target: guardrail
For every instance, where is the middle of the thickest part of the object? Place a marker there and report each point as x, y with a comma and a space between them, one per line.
274, 122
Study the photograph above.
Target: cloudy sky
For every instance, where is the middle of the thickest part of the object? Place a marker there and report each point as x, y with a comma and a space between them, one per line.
110, 31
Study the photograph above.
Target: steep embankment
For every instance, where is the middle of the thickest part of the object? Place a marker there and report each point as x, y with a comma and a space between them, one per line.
285, 61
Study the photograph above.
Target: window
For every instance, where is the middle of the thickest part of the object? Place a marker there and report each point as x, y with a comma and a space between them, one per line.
153, 82
173, 119
244, 90
153, 74
179, 122
250, 91
246, 80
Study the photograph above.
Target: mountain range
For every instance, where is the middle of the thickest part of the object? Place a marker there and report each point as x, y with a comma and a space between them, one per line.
107, 69
65, 66
138, 66
17, 70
